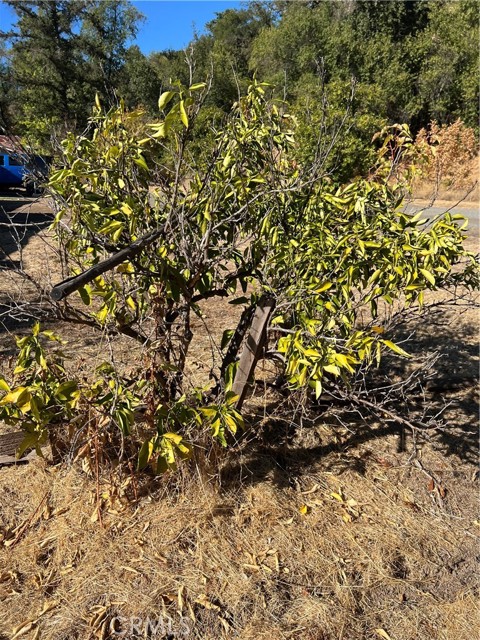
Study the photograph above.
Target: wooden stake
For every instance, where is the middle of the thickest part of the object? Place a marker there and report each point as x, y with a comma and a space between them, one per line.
253, 348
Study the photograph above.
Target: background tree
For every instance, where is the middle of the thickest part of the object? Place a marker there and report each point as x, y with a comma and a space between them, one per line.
446, 53
139, 80
230, 37
62, 53
8, 89
410, 62
45, 62
107, 27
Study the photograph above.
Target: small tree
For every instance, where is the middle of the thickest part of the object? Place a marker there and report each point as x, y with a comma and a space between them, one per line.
319, 270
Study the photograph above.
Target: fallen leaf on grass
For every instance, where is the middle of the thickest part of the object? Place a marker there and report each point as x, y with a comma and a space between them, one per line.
383, 634
384, 463
130, 569
23, 629
180, 599
378, 330
203, 601
28, 625
7, 576
312, 490
225, 624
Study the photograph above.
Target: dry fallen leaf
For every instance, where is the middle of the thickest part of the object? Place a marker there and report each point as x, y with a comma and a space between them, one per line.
24, 628
411, 505
383, 634
312, 490
180, 599
28, 625
379, 330
205, 602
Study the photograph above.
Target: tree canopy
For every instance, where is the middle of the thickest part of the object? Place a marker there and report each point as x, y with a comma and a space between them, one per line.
60, 54
410, 62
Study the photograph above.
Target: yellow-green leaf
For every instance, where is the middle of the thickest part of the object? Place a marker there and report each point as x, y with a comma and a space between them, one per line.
165, 99
174, 437
183, 114
140, 160
332, 368
428, 276
324, 287
29, 441
13, 396
394, 347
145, 453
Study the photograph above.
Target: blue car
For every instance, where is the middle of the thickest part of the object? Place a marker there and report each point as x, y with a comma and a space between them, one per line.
17, 171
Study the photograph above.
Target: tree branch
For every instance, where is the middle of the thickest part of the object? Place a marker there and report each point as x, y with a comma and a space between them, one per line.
65, 288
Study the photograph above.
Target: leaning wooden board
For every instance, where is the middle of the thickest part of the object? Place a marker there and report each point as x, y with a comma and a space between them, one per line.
9, 443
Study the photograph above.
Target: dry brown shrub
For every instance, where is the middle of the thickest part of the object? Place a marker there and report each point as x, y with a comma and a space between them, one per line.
447, 156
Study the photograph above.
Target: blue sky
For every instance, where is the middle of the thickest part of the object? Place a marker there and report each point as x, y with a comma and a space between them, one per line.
169, 24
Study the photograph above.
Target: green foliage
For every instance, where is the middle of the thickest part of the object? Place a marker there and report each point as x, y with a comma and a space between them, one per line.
448, 56
411, 62
255, 218
39, 393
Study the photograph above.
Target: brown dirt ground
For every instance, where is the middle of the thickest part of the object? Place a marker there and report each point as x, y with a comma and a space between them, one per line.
311, 532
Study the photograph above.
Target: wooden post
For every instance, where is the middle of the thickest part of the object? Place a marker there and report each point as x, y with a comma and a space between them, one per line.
253, 348
9, 443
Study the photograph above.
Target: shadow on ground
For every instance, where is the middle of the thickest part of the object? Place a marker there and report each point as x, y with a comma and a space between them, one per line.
284, 451
20, 219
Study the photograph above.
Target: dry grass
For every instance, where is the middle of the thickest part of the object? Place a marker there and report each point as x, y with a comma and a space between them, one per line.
309, 532
243, 560
446, 196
